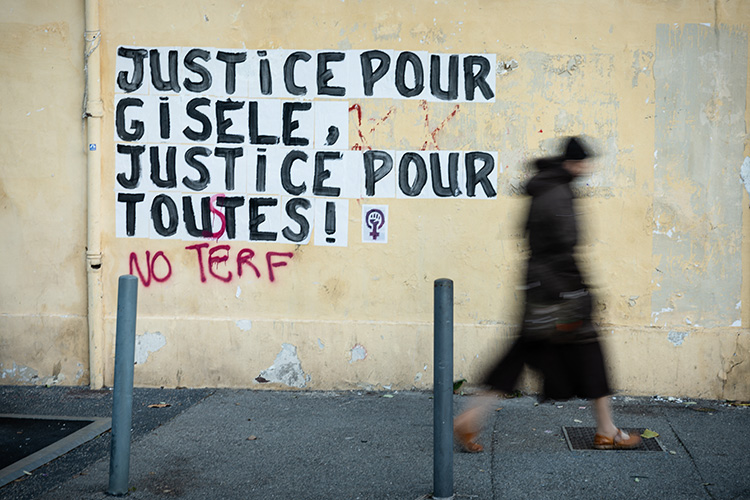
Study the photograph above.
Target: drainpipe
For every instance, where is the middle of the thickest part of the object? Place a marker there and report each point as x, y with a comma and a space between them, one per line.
93, 111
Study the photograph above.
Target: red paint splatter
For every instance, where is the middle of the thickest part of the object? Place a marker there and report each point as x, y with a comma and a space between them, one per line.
434, 132
541, 131
376, 123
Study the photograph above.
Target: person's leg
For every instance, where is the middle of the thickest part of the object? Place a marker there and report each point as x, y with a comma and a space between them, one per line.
603, 413
608, 436
468, 425
502, 379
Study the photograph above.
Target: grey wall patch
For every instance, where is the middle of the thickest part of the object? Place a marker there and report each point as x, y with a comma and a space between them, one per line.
677, 338
358, 353
146, 344
244, 324
700, 89
286, 369
745, 173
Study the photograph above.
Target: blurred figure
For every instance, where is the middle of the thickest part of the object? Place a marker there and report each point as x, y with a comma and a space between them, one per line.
557, 338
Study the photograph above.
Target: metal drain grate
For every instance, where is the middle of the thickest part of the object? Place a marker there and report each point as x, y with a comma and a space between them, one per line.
582, 438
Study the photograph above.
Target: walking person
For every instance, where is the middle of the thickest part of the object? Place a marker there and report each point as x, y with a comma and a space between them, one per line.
558, 338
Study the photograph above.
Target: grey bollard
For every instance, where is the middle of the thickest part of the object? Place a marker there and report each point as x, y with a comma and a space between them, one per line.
443, 391
122, 405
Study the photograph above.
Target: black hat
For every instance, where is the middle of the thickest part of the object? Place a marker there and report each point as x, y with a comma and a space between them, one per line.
575, 149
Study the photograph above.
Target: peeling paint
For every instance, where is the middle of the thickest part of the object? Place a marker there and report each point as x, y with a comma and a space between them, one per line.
19, 373
745, 173
641, 65
244, 324
655, 314
146, 344
677, 338
505, 67
286, 369
53, 380
321, 345
358, 353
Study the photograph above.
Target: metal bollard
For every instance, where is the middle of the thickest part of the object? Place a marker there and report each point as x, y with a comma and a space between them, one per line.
443, 391
122, 406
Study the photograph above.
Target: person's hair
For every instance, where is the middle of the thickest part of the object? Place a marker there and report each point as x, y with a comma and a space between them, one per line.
575, 149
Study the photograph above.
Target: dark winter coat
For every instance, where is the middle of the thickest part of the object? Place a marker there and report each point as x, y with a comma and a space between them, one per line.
570, 361
552, 231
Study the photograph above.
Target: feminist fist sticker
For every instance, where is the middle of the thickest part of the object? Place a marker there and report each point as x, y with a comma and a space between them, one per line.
375, 223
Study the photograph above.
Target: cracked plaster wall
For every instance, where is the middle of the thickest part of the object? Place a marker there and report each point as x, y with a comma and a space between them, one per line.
662, 90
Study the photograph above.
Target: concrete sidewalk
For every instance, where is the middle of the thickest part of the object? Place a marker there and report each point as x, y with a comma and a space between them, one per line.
348, 445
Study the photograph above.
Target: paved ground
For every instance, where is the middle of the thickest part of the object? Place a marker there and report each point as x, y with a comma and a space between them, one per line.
351, 445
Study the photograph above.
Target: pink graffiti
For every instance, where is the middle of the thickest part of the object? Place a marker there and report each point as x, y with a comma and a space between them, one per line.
215, 211
244, 257
150, 268
215, 263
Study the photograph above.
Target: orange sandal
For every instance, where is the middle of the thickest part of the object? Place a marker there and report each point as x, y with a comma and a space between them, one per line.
468, 440
613, 443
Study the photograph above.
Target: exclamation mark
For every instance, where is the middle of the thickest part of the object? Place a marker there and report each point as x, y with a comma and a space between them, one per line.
330, 221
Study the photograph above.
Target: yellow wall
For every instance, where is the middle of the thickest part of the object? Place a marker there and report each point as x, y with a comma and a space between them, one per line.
660, 86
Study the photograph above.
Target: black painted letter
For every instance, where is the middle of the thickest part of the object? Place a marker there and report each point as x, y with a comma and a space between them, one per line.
452, 93
473, 80
289, 125
321, 174
403, 174
370, 75
292, 87
230, 203
416, 63
137, 55
473, 177
171, 180
222, 123
156, 78
193, 112
205, 74
437, 184
205, 175
253, 127
286, 172
325, 74
292, 210
135, 165
161, 201
371, 174
231, 59
130, 199
257, 218
188, 215
136, 126
229, 155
